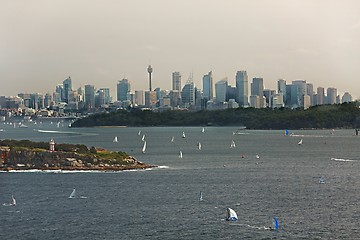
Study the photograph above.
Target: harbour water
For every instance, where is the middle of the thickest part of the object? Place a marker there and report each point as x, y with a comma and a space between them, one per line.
163, 203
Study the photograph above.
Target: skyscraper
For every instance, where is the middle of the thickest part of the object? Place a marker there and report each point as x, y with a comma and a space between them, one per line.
221, 90
281, 88
242, 88
257, 87
123, 87
331, 94
208, 86
188, 93
176, 81
90, 96
67, 85
320, 96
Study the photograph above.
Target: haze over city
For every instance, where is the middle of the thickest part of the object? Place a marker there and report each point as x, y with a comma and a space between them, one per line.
101, 42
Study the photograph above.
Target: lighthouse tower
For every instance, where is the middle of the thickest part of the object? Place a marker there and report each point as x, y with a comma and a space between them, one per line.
52, 145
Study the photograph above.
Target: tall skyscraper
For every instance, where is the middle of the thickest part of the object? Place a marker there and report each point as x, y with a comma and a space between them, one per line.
208, 86
67, 85
188, 93
176, 81
221, 90
90, 96
331, 94
123, 87
139, 97
281, 88
320, 96
257, 87
310, 93
149, 69
242, 88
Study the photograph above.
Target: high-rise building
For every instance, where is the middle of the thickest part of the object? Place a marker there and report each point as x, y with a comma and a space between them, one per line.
302, 91
188, 93
90, 96
107, 97
320, 96
176, 81
221, 90
310, 93
139, 97
242, 88
346, 98
67, 85
123, 87
331, 94
281, 88
150, 99
208, 86
257, 87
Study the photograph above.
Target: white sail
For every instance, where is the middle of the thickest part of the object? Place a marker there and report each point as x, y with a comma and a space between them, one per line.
199, 146
172, 139
183, 135
231, 215
73, 194
180, 154
115, 139
232, 145
139, 132
143, 138
203, 130
300, 142
201, 196
13, 200
144, 148
257, 156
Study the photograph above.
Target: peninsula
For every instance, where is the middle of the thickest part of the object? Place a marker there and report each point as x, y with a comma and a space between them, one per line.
27, 155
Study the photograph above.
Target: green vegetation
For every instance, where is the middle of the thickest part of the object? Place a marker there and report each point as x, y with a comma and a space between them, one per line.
346, 115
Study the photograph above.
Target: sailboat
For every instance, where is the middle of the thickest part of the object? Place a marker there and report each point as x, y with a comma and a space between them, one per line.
144, 148
275, 224
139, 132
232, 145
115, 139
73, 194
199, 146
203, 130
172, 139
183, 135
180, 154
231, 215
300, 142
143, 138
322, 180
257, 156
201, 196
286, 132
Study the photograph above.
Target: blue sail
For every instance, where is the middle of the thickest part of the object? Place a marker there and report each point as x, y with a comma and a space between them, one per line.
275, 223
286, 132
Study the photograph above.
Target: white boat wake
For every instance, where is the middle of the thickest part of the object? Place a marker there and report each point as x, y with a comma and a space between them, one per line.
343, 160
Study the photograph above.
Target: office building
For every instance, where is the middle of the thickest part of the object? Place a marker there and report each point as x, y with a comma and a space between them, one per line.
123, 87
242, 88
176, 81
208, 86
221, 90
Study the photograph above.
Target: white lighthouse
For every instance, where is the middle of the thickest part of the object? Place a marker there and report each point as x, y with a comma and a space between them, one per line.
52, 145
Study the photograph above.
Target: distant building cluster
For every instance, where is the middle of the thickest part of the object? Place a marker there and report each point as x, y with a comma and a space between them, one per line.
65, 99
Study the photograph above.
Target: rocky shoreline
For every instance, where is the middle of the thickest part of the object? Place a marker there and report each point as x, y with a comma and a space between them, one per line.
16, 156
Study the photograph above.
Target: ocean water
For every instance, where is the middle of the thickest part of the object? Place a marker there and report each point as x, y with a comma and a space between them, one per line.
163, 203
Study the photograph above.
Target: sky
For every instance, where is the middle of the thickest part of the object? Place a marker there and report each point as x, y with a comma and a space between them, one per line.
100, 42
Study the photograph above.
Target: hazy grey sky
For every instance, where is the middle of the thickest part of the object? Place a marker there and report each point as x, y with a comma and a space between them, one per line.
101, 41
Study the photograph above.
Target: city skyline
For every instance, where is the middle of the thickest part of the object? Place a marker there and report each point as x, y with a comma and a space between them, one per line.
100, 44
